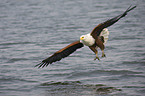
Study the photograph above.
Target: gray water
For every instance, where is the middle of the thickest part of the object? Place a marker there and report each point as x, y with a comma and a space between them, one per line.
32, 30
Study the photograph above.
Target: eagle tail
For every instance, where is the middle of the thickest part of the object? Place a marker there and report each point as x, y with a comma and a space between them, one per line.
105, 35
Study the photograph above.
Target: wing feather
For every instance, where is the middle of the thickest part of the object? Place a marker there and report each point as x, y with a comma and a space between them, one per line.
57, 56
98, 29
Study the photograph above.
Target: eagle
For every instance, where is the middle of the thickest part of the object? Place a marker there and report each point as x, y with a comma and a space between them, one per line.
94, 40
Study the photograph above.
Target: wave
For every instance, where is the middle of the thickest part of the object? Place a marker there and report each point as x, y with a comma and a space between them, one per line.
77, 88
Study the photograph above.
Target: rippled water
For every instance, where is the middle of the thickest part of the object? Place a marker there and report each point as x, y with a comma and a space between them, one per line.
31, 30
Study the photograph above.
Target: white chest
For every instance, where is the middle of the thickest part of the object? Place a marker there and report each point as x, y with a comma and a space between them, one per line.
88, 40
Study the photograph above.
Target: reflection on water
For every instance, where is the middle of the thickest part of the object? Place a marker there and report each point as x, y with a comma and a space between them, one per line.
32, 30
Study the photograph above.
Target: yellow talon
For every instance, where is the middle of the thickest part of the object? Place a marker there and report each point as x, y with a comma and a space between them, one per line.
96, 58
103, 55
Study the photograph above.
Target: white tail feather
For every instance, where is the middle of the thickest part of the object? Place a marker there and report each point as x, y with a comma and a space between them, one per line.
105, 34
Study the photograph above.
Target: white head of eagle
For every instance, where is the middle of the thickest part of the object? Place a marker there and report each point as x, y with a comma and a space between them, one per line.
87, 40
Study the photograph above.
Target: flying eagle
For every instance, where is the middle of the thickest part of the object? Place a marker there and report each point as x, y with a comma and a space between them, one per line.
97, 38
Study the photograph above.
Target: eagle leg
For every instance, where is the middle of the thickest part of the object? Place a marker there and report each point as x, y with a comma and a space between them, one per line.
100, 44
103, 54
95, 51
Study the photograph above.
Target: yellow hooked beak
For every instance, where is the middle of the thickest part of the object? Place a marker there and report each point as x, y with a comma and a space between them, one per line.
81, 38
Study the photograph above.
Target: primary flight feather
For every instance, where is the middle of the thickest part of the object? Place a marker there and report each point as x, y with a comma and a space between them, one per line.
97, 38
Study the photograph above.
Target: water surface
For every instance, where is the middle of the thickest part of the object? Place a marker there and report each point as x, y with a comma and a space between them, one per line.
32, 30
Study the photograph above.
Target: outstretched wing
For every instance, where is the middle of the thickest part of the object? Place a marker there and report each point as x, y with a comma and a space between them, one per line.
97, 30
57, 56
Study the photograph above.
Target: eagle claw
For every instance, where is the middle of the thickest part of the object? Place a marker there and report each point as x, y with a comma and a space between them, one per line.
96, 58
103, 55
